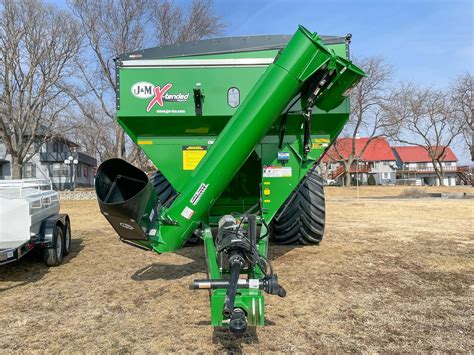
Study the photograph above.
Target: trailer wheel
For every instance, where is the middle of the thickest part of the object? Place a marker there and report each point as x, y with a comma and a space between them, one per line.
67, 238
300, 220
54, 256
166, 194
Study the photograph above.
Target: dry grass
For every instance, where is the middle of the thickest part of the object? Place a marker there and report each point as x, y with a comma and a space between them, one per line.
391, 275
391, 191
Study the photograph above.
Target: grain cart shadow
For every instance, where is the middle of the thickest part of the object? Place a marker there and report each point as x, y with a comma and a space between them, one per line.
232, 343
31, 268
164, 271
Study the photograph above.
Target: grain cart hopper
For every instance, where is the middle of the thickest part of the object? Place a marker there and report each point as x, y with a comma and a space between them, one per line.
235, 127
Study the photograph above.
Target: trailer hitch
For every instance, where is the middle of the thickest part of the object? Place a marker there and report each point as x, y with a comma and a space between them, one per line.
236, 317
237, 249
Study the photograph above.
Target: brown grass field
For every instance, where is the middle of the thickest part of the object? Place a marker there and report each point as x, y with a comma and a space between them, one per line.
391, 275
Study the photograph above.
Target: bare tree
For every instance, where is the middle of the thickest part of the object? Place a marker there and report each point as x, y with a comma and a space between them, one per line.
462, 96
37, 43
113, 27
425, 117
177, 25
92, 131
367, 102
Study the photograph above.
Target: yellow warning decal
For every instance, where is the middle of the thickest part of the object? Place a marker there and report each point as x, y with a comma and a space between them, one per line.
320, 143
145, 142
266, 201
192, 155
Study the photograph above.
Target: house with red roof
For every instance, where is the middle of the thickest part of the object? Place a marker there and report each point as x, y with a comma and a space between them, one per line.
376, 163
415, 164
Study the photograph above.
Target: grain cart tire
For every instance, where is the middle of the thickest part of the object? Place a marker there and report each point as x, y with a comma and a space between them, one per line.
166, 194
54, 256
301, 218
67, 238
163, 188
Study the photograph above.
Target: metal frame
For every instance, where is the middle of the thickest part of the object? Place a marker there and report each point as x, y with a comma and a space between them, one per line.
252, 301
22, 184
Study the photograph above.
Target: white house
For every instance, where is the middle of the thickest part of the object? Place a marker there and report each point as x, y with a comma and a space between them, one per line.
415, 164
49, 163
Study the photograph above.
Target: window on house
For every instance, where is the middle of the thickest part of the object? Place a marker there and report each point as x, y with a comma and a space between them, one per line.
385, 176
65, 169
60, 169
422, 165
79, 170
29, 170
385, 162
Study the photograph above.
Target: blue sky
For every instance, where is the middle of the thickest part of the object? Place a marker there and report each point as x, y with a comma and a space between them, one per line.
427, 41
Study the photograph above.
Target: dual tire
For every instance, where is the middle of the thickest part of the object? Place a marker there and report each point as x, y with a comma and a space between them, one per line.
61, 245
301, 219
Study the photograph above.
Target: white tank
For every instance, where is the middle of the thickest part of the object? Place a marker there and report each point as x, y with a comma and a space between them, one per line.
24, 204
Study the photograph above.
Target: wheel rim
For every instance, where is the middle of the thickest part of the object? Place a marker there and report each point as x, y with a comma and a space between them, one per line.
59, 246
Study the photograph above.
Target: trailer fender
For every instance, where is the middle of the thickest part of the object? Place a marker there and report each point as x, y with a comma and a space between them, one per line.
47, 228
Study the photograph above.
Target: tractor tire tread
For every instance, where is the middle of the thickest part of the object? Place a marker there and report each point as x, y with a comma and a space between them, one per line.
301, 218
166, 193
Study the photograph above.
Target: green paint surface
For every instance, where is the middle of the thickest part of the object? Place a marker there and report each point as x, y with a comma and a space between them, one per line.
240, 167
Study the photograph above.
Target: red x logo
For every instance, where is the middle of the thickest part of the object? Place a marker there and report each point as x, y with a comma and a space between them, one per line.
159, 92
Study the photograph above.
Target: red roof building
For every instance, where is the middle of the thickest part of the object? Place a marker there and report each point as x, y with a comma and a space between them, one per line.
382, 164
377, 150
417, 154
415, 164
375, 163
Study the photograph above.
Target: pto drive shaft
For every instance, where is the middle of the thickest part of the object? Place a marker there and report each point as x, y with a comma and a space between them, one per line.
269, 285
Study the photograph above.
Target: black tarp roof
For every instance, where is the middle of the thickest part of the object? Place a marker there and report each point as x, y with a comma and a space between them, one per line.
220, 45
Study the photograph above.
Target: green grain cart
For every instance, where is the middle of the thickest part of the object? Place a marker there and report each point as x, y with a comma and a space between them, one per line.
235, 127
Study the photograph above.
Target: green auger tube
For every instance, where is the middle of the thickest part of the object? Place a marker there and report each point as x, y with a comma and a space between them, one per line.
303, 59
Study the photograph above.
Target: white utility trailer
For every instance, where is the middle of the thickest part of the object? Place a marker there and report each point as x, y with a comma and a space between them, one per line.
29, 219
